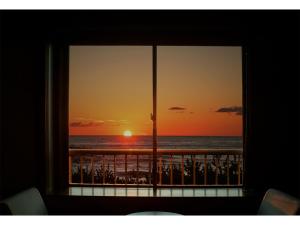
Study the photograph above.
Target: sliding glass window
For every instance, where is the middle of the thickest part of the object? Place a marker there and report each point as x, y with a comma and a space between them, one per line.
110, 101
117, 94
200, 123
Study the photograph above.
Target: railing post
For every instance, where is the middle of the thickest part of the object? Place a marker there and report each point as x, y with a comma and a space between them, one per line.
115, 176
182, 169
194, 169
103, 166
149, 171
125, 168
81, 170
227, 170
217, 165
137, 168
160, 170
171, 170
92, 170
70, 169
239, 172
205, 169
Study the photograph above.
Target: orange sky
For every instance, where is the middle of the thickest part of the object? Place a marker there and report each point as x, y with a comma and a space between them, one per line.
111, 90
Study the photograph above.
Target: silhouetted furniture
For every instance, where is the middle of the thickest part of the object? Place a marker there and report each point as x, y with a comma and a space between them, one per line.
276, 202
154, 213
27, 202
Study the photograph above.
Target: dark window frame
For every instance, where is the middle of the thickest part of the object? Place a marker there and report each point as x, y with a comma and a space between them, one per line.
57, 165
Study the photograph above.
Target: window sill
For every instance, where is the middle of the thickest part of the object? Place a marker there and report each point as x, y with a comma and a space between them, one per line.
161, 192
125, 200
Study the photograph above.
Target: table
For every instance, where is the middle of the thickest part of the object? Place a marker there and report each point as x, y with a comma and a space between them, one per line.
154, 213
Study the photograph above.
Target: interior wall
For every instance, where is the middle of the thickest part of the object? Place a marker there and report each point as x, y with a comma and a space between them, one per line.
272, 40
273, 72
22, 77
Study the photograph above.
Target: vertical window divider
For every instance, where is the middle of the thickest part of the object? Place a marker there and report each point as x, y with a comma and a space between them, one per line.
154, 117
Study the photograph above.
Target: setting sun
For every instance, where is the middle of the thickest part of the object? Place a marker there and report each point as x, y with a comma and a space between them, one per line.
127, 133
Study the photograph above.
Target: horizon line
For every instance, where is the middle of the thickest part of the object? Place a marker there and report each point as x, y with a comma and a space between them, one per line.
157, 135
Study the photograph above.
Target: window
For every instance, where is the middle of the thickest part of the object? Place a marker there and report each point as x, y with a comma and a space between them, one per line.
197, 91
109, 111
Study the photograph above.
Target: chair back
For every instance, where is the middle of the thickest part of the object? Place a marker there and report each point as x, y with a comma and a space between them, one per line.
28, 202
276, 202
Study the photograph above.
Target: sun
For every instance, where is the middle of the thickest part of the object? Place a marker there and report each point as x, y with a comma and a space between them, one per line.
127, 133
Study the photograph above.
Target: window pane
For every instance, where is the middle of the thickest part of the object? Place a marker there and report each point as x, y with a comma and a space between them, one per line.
200, 111
110, 91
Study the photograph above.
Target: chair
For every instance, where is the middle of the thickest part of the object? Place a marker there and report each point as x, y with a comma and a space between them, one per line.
276, 202
27, 202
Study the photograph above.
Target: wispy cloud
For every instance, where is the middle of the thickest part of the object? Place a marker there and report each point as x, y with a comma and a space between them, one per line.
237, 110
86, 123
177, 108
83, 122
116, 122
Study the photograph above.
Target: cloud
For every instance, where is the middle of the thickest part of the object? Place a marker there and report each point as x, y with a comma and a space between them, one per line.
86, 123
116, 122
238, 110
239, 113
83, 122
98, 122
177, 108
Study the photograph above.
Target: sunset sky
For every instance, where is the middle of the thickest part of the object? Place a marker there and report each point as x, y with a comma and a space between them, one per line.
199, 90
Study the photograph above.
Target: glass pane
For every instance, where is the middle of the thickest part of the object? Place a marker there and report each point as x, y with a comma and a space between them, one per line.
110, 101
199, 115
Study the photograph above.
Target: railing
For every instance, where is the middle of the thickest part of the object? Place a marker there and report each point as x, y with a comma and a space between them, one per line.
174, 167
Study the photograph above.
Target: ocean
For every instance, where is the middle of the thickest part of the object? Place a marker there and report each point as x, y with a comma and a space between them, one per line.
164, 142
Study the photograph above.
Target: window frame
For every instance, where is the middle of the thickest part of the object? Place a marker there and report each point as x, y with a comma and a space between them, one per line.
57, 102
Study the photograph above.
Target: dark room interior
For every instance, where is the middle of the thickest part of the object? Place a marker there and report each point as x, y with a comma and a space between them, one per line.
271, 100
